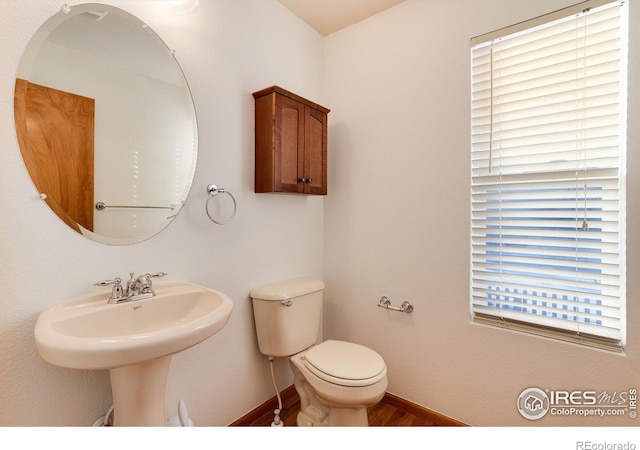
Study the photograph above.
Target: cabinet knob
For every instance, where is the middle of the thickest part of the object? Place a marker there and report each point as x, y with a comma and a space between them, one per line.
305, 180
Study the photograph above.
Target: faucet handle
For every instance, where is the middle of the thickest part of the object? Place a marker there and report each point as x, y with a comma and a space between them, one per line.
145, 284
157, 274
117, 293
102, 283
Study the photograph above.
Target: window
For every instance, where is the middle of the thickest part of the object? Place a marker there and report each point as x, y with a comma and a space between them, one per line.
547, 192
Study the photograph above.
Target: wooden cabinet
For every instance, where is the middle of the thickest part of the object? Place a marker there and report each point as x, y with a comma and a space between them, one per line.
291, 143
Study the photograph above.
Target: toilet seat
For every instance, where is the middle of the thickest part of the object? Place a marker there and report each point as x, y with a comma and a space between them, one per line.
345, 363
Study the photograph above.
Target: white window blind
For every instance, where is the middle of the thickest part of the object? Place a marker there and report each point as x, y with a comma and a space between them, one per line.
548, 158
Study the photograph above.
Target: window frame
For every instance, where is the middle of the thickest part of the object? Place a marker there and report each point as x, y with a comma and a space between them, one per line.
526, 321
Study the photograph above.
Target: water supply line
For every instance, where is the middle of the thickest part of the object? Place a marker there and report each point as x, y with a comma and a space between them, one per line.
108, 418
277, 422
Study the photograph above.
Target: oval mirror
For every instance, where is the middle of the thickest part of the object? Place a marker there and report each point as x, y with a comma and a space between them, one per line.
105, 123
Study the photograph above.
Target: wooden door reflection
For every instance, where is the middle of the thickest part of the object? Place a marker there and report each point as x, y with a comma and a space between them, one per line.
56, 136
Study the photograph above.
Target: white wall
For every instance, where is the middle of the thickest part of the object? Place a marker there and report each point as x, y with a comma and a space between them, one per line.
397, 218
228, 49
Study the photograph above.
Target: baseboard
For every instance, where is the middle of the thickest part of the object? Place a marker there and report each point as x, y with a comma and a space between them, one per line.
290, 396
434, 417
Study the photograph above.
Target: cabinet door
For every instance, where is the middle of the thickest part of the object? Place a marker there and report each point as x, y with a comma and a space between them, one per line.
290, 143
315, 152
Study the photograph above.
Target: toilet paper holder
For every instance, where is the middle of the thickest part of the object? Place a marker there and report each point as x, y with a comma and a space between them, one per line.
386, 303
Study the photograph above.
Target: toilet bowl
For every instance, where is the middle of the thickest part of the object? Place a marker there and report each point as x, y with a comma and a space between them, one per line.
336, 380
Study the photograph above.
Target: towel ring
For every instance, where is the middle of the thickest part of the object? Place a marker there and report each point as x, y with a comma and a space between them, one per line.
214, 190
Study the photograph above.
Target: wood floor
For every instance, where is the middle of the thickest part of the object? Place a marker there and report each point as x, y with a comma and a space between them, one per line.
391, 411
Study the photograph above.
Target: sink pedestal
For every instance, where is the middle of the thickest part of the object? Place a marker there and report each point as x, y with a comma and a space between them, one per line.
139, 393
134, 340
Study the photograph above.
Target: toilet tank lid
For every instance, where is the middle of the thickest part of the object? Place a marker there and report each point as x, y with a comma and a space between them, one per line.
288, 289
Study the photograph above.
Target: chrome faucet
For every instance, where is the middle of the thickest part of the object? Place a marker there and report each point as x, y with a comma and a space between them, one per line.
136, 288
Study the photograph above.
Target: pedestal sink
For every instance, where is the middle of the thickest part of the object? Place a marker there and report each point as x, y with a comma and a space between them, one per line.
134, 340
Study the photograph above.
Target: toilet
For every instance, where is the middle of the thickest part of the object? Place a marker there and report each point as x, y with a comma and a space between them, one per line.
336, 381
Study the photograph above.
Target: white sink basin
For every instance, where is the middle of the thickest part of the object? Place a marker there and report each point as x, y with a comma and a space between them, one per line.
88, 333
134, 340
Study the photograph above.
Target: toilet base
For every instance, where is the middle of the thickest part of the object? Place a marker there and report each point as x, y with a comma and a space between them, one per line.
338, 417
309, 419
326, 404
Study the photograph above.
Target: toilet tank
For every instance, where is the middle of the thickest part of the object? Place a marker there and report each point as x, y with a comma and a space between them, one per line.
288, 315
